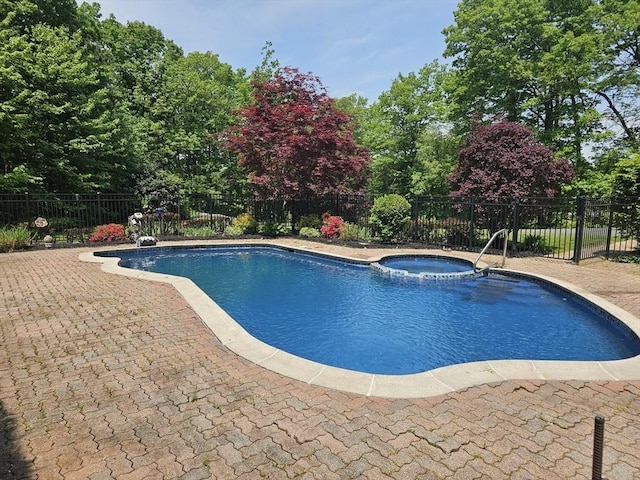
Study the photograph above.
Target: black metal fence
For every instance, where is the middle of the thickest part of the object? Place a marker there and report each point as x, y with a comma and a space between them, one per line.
565, 228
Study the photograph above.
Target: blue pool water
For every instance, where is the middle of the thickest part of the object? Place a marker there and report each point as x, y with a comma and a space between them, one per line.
352, 316
420, 264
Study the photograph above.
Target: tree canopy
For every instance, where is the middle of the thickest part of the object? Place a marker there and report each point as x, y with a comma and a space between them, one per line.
504, 160
412, 149
567, 69
90, 104
292, 141
56, 120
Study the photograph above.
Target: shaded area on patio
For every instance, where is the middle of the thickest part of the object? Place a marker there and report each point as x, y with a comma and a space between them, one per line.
13, 465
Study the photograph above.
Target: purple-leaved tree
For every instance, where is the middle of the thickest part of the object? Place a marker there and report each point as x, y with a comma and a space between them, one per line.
292, 141
504, 159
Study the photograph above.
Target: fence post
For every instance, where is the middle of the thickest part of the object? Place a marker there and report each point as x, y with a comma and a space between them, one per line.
580, 211
178, 225
28, 209
99, 210
294, 215
598, 446
472, 210
516, 223
78, 220
612, 202
210, 209
414, 217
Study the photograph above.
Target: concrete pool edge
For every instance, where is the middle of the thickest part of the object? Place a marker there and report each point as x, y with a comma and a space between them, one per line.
434, 382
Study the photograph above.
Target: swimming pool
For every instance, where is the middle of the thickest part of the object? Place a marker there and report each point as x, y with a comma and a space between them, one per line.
348, 315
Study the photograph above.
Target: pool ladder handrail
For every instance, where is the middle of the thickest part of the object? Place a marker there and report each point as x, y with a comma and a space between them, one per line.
505, 232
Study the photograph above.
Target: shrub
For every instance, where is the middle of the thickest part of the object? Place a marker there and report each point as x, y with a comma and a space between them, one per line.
350, 231
199, 231
331, 225
389, 215
272, 229
77, 234
631, 257
12, 239
535, 244
458, 233
245, 222
310, 221
111, 232
310, 232
233, 231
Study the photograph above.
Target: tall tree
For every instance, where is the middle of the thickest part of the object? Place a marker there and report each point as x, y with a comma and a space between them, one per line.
406, 133
138, 56
504, 159
618, 80
55, 119
292, 141
193, 106
530, 61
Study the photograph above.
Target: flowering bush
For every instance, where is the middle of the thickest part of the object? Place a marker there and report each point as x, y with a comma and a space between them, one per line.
110, 232
331, 225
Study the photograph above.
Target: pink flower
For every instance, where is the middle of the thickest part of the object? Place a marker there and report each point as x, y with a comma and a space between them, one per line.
110, 232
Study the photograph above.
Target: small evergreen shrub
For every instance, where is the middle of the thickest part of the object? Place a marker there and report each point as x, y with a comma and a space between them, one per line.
111, 232
233, 231
310, 232
390, 215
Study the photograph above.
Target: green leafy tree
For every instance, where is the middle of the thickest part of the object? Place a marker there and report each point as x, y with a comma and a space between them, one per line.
357, 107
626, 185
56, 119
530, 61
618, 68
405, 131
137, 58
194, 105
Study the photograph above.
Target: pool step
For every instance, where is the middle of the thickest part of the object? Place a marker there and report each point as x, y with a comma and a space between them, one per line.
490, 291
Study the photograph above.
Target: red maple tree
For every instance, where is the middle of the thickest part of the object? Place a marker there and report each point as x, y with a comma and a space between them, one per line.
293, 142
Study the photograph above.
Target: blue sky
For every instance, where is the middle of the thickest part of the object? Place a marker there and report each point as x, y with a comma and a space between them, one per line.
354, 46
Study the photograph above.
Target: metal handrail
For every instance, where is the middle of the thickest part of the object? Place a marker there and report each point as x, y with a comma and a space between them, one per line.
505, 232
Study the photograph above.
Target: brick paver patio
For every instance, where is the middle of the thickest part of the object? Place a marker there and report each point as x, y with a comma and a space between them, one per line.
103, 377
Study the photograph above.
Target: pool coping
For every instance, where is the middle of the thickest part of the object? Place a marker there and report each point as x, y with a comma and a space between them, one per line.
425, 384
